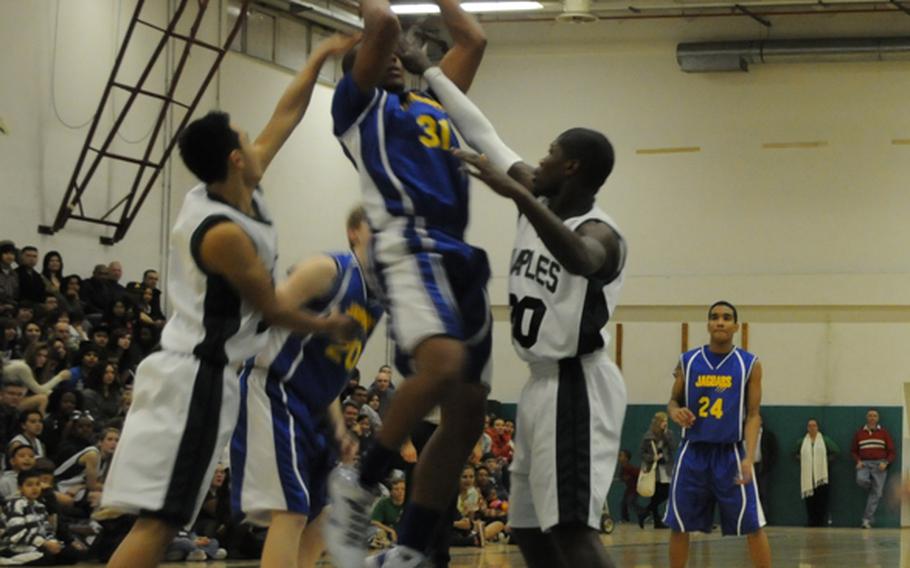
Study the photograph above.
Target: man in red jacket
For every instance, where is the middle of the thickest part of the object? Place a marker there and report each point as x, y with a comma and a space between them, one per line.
873, 450
501, 446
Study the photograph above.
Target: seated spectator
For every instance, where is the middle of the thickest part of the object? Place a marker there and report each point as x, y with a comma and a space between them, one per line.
150, 281
498, 474
10, 397
78, 462
51, 304
145, 311
358, 397
29, 533
187, 546
146, 341
56, 503
501, 442
215, 515
495, 510
102, 396
115, 273
365, 436
9, 280
468, 524
382, 386
71, 294
59, 354
628, 474
97, 292
371, 411
25, 312
121, 351
52, 270
101, 336
31, 283
350, 414
31, 425
19, 459
31, 333
60, 331
110, 437
126, 400
78, 377
119, 315
386, 514
62, 406
41, 364
9, 343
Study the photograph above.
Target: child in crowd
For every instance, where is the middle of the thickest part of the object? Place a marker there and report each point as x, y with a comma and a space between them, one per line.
29, 537
20, 458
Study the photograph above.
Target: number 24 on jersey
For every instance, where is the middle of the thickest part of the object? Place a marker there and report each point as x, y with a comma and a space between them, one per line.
706, 408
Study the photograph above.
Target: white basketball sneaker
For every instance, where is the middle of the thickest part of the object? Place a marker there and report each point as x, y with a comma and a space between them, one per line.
349, 518
398, 557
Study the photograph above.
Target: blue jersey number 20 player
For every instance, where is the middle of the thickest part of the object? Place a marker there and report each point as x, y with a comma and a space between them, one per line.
716, 400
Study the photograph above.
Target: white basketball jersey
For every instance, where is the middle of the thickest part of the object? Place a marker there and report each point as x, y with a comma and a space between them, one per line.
555, 314
208, 317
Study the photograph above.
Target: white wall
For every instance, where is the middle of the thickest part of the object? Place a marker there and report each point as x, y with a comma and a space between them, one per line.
766, 229
38, 155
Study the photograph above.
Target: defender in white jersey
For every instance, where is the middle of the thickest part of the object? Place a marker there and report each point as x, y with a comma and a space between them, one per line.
221, 262
564, 283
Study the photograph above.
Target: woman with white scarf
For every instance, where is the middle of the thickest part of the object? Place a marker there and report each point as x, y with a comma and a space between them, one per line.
815, 451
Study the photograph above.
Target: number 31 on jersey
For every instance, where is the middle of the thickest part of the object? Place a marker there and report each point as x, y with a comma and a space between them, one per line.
436, 133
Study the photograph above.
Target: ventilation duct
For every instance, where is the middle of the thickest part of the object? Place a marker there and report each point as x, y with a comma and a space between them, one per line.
738, 55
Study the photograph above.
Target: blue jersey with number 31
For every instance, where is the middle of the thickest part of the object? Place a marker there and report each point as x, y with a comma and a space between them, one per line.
716, 393
401, 145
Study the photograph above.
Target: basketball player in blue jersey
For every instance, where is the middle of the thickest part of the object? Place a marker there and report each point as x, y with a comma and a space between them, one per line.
223, 251
290, 422
564, 284
716, 400
433, 283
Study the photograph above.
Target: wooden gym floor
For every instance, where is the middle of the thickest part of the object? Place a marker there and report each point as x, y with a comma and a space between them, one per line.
632, 547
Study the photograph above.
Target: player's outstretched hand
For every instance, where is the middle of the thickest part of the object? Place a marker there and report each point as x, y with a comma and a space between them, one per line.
410, 53
683, 417
477, 165
745, 472
341, 327
339, 44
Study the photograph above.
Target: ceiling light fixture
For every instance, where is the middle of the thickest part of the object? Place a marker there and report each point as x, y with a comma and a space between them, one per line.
476, 7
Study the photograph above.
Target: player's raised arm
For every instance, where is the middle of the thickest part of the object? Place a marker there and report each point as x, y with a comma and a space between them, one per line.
461, 62
594, 249
296, 98
227, 251
477, 130
380, 38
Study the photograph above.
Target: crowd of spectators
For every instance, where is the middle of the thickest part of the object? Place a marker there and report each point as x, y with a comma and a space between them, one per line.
69, 350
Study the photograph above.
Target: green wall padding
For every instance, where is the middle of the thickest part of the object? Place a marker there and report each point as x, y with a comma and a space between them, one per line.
785, 507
